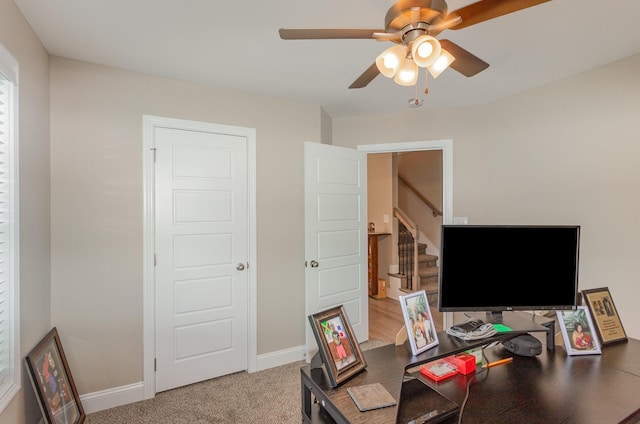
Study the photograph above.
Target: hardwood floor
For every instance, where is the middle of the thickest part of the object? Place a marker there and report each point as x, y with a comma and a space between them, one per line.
385, 319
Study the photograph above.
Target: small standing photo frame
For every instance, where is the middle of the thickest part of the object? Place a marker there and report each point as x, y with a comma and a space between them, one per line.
419, 322
578, 332
52, 382
605, 315
338, 348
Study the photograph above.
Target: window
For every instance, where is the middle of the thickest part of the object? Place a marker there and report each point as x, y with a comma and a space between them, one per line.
9, 282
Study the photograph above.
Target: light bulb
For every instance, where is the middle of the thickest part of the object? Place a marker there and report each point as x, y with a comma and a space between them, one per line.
444, 60
389, 61
407, 74
425, 50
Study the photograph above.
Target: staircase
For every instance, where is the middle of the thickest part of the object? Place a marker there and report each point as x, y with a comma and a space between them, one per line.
417, 270
428, 272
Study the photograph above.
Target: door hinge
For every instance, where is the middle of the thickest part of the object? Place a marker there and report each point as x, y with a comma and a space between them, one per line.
153, 149
155, 259
155, 364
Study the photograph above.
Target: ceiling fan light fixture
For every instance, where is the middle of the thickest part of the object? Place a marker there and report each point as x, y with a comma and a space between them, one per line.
407, 75
442, 62
425, 50
389, 61
413, 26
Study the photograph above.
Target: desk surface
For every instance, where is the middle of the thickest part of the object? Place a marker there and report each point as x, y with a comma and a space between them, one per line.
549, 388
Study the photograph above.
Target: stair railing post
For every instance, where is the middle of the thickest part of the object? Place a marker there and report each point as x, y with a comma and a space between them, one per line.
415, 286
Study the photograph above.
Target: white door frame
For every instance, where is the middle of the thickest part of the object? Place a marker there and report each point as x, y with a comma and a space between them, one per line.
446, 146
148, 214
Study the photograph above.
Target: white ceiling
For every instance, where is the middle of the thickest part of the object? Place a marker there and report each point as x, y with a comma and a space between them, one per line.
235, 44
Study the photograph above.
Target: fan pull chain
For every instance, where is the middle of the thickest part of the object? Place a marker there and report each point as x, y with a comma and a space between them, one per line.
426, 79
415, 102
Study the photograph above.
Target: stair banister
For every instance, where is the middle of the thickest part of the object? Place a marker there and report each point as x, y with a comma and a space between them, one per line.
434, 209
413, 229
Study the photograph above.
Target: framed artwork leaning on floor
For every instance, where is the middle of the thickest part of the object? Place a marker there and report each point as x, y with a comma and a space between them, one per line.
52, 382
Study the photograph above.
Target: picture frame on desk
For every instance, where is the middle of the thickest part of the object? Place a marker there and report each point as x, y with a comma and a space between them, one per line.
578, 332
605, 315
418, 320
52, 382
337, 346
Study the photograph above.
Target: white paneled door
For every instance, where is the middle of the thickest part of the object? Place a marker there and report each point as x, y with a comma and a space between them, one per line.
201, 247
336, 235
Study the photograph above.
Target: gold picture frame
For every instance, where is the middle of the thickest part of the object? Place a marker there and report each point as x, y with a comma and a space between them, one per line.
607, 321
338, 347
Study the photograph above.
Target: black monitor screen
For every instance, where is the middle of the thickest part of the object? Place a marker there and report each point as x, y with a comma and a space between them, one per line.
505, 268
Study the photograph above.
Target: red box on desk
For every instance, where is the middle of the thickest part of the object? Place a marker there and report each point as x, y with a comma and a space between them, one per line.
463, 362
438, 370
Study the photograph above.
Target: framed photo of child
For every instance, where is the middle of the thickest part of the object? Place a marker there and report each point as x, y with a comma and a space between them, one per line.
337, 346
418, 321
578, 332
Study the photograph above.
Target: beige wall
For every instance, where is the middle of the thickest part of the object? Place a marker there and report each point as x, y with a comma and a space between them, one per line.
325, 128
380, 191
33, 131
423, 170
96, 210
566, 153
380, 187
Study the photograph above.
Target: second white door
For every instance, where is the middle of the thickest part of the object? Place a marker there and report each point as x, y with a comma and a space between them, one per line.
201, 278
336, 235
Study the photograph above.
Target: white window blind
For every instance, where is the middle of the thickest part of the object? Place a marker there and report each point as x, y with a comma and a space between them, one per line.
9, 283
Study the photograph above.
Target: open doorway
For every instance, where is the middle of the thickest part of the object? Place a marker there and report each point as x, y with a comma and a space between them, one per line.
400, 169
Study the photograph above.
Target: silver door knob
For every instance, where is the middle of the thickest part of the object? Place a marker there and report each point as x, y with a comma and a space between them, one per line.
314, 264
240, 266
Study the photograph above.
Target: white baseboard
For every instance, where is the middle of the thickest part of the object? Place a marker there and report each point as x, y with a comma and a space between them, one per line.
123, 395
281, 357
110, 398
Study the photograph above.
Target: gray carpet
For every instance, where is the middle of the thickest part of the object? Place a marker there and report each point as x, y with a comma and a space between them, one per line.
270, 396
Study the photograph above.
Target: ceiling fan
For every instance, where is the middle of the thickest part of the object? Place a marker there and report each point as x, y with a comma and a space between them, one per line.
413, 26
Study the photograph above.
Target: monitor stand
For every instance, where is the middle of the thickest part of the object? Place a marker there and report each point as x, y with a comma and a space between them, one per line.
523, 322
497, 317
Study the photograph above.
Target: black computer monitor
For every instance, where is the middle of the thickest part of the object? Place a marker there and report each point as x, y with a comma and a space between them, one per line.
496, 268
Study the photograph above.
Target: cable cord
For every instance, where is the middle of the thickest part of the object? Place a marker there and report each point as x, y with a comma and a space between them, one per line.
471, 381
466, 397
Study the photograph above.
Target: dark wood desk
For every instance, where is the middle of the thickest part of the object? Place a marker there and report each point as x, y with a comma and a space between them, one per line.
549, 388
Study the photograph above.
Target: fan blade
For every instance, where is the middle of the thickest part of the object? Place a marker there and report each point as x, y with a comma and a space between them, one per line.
451, 21
366, 77
466, 63
488, 9
323, 34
